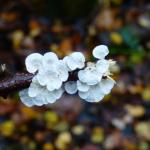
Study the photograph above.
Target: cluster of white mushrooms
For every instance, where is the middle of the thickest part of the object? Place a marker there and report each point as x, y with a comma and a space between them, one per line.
52, 74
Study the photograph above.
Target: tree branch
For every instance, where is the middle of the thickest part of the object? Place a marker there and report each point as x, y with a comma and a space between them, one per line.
15, 83
20, 81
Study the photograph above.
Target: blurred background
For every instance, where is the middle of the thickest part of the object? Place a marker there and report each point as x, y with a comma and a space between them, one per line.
122, 120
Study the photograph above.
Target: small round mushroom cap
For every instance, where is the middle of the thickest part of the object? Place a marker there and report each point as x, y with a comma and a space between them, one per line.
71, 87
39, 100
83, 87
58, 93
53, 83
94, 94
33, 62
26, 100
91, 98
49, 59
52, 96
106, 85
102, 66
34, 89
61, 70
75, 60
89, 76
100, 51
83, 95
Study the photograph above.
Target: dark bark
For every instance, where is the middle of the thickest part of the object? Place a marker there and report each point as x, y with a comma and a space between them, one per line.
15, 83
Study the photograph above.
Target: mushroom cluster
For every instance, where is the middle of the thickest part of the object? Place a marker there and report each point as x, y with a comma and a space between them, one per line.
51, 78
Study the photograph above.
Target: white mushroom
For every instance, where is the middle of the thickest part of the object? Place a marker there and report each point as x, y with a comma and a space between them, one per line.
33, 62
94, 94
102, 66
75, 60
49, 59
83, 87
100, 51
25, 98
106, 85
71, 87
89, 76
